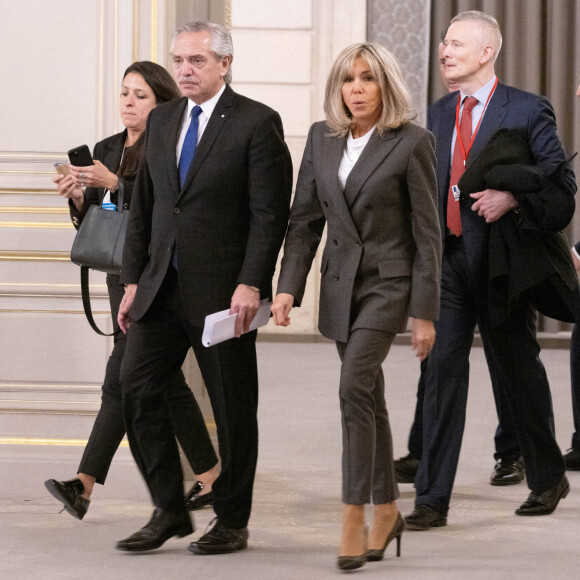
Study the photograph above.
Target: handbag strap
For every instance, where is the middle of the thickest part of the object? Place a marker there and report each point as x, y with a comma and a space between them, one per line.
120, 194
87, 303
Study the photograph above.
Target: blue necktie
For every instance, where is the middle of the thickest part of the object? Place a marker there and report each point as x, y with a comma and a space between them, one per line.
189, 145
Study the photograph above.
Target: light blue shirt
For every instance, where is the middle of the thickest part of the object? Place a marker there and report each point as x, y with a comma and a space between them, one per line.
477, 112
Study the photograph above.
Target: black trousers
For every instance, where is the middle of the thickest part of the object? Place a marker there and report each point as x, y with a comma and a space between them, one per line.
506, 440
575, 375
109, 427
156, 347
522, 377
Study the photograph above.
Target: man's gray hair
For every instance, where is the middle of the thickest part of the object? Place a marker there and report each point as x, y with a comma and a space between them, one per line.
221, 40
485, 21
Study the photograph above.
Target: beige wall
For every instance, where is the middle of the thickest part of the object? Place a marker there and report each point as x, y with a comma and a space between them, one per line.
61, 69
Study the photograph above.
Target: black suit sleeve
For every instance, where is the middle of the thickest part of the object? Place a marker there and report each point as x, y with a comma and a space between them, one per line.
269, 190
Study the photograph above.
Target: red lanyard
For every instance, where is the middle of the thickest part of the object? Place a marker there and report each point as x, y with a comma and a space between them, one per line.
465, 154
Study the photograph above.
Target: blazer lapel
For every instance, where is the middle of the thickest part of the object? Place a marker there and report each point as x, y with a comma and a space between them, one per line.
114, 151
372, 156
216, 122
174, 128
491, 122
444, 137
334, 148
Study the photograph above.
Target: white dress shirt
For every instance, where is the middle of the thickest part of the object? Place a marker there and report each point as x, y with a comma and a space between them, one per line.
206, 112
352, 151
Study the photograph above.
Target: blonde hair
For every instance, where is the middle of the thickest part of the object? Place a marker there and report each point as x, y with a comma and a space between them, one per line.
396, 100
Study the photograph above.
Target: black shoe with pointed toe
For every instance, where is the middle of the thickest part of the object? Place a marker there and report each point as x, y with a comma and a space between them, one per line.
507, 472
424, 517
406, 468
572, 459
542, 504
162, 526
220, 540
70, 494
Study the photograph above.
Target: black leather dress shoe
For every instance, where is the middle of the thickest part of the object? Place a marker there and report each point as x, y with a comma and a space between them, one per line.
195, 501
424, 517
70, 494
162, 526
406, 469
507, 472
542, 504
220, 540
572, 459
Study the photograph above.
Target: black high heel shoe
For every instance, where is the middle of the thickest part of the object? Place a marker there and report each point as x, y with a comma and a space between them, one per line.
396, 532
353, 562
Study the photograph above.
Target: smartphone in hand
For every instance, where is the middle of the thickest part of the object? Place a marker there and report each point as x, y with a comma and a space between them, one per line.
62, 168
80, 156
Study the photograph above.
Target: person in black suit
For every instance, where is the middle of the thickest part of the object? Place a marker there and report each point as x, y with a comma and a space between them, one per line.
203, 236
472, 43
145, 84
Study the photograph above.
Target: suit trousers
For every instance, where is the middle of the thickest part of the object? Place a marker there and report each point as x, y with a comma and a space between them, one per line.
506, 439
156, 347
367, 444
575, 376
521, 375
109, 426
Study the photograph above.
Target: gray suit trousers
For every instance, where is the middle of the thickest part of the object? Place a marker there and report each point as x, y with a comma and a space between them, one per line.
367, 445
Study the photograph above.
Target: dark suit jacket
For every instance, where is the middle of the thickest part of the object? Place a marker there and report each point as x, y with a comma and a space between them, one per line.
109, 152
227, 223
382, 255
528, 115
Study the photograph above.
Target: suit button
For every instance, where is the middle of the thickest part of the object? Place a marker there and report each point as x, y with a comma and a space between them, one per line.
335, 242
368, 206
325, 203
335, 276
359, 244
169, 248
176, 210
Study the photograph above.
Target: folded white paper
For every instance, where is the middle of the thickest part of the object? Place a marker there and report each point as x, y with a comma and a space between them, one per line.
220, 326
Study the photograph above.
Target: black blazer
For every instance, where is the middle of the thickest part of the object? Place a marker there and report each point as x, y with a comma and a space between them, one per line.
228, 222
109, 152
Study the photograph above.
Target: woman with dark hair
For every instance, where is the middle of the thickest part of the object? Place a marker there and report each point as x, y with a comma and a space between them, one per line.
144, 86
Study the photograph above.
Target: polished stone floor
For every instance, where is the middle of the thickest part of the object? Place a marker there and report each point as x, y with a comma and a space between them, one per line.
296, 518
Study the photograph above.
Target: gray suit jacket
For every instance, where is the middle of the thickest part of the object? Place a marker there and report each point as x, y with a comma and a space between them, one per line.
381, 262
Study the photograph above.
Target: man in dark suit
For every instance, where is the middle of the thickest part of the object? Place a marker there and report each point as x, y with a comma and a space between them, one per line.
472, 43
203, 236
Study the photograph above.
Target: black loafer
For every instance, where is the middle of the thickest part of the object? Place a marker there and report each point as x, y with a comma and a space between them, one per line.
424, 517
194, 501
406, 469
572, 459
220, 540
542, 504
70, 494
162, 526
507, 472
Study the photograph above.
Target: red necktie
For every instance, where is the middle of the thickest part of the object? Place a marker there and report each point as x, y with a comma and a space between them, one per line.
458, 165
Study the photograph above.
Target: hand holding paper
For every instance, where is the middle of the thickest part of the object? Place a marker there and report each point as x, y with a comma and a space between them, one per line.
221, 325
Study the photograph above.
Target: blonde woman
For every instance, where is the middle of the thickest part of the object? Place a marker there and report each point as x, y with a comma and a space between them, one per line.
368, 174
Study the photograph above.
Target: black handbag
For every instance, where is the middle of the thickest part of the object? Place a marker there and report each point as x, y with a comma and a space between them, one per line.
98, 245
